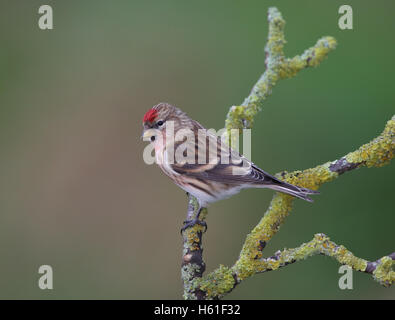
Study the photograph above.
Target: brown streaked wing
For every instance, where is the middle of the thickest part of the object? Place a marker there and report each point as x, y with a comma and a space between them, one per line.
231, 168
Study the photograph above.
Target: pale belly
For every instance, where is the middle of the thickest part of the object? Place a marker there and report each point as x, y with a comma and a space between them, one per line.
205, 194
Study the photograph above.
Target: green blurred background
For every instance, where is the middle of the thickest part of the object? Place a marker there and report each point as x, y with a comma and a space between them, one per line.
76, 194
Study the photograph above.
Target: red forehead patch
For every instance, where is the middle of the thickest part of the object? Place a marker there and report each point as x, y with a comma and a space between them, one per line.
150, 115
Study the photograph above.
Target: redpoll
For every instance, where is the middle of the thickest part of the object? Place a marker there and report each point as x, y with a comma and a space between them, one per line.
201, 163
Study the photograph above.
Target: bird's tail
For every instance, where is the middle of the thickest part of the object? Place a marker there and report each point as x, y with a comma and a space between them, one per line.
281, 186
295, 191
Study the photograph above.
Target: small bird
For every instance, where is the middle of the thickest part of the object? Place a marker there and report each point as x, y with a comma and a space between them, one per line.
223, 171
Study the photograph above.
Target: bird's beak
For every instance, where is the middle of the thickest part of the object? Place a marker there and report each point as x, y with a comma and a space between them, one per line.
147, 134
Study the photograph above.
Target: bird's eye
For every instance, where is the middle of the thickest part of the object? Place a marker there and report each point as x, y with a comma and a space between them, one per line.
160, 123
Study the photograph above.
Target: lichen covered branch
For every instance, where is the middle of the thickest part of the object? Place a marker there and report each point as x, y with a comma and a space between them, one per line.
193, 265
223, 280
321, 244
277, 67
376, 153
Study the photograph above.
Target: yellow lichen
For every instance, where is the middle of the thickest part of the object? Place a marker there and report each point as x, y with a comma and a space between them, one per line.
379, 151
218, 283
384, 272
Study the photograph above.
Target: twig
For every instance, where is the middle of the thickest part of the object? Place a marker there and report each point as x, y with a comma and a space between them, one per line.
277, 67
321, 244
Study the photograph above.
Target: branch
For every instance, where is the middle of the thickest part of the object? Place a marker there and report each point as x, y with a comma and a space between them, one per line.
193, 265
277, 67
321, 244
376, 153
251, 261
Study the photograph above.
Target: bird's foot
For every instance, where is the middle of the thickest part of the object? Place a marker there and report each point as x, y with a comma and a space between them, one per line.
191, 223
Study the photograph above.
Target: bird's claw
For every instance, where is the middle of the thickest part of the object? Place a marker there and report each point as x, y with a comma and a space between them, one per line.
191, 223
